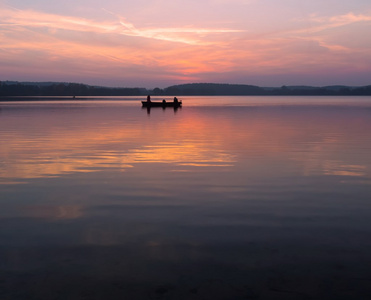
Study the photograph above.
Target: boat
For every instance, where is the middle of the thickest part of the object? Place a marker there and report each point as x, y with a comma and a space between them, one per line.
161, 104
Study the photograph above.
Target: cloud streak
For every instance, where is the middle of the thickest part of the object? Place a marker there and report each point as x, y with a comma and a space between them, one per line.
172, 34
340, 20
33, 19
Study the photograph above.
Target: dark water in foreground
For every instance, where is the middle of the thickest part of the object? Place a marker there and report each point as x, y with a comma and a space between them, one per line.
254, 198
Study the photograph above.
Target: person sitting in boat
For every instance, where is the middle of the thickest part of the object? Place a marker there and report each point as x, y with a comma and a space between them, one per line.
175, 100
163, 101
148, 99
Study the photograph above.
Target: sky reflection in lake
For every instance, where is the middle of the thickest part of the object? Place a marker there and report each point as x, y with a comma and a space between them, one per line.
241, 200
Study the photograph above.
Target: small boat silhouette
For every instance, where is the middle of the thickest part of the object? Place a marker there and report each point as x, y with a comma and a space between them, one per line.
162, 103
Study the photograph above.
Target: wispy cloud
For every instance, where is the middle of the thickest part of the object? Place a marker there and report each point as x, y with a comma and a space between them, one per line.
326, 32
34, 19
173, 34
187, 35
340, 20
318, 23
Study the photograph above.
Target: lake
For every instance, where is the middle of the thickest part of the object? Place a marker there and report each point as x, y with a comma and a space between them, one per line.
224, 198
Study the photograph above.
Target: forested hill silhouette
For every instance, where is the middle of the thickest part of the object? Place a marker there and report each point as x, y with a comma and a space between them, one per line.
15, 88
214, 89
20, 89
210, 89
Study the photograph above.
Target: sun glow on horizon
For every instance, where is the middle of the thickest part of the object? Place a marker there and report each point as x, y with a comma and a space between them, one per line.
118, 49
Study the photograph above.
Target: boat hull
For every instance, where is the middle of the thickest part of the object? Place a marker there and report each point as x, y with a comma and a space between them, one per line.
161, 104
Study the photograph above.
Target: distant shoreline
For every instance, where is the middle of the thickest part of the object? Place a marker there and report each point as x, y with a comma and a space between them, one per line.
66, 91
4, 99
59, 98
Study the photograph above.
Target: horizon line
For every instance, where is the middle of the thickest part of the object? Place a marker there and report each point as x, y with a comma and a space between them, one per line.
179, 84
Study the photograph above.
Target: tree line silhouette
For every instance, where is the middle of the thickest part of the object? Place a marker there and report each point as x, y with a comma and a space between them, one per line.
63, 89
213, 89
19, 89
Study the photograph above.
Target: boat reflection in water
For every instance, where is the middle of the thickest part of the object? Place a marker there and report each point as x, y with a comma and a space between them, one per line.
148, 108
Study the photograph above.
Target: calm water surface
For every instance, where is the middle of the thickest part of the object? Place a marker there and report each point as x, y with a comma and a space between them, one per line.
225, 198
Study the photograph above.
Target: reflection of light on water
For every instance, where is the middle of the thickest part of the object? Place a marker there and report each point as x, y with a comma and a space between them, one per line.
32, 168
319, 163
334, 168
183, 154
317, 158
198, 138
338, 169
206, 165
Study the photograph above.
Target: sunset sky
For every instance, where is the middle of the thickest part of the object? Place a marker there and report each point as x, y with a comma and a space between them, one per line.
158, 43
